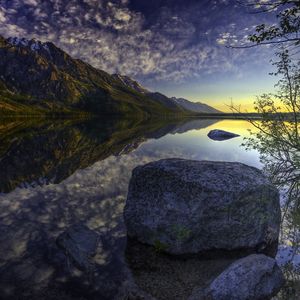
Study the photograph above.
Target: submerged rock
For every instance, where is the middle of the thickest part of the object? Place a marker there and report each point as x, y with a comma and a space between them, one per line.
188, 207
167, 277
254, 277
221, 135
80, 244
130, 291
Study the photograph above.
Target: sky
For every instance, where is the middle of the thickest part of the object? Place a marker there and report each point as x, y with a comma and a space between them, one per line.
176, 47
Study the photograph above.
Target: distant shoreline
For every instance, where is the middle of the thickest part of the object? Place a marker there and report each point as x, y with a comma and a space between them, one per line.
239, 116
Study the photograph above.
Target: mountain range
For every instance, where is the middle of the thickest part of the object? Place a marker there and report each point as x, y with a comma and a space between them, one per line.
40, 78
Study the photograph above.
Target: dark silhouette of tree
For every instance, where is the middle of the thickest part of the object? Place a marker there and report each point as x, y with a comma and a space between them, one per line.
276, 138
276, 134
280, 111
286, 33
287, 29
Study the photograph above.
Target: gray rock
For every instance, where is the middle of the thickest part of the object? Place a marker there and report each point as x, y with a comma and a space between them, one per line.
186, 207
221, 135
167, 276
254, 277
79, 244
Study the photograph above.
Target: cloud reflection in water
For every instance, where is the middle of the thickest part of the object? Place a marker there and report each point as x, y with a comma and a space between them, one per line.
32, 218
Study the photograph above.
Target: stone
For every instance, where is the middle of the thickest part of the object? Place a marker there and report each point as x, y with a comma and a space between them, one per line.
188, 207
130, 291
221, 135
253, 277
170, 277
79, 244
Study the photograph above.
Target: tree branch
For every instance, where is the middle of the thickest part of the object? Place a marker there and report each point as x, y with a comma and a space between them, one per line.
264, 43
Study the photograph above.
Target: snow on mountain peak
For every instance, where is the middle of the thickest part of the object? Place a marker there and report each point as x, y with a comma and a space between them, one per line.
195, 106
33, 44
129, 82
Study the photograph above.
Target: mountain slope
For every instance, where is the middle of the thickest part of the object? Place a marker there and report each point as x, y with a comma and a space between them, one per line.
39, 77
183, 103
195, 106
129, 82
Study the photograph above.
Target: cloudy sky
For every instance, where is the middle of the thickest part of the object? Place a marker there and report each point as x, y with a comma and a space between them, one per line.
177, 47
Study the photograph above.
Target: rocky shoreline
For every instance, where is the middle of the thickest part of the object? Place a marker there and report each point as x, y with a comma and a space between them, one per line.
182, 207
196, 230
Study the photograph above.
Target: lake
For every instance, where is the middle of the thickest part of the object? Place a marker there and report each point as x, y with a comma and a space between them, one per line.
56, 173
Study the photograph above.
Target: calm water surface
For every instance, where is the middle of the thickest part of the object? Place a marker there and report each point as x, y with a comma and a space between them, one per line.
57, 174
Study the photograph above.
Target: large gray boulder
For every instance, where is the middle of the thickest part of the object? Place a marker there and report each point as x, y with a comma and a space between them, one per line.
254, 277
186, 207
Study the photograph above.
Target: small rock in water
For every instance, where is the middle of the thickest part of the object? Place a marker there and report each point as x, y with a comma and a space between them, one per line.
188, 207
221, 135
254, 277
80, 244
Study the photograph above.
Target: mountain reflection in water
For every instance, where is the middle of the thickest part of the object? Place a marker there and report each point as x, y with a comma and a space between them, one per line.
58, 173
49, 153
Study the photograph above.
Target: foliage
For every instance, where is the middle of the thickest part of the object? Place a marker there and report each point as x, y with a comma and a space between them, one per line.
288, 27
276, 134
181, 232
277, 138
159, 246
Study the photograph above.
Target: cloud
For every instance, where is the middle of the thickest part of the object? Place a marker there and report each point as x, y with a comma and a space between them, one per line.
31, 2
2, 15
171, 44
